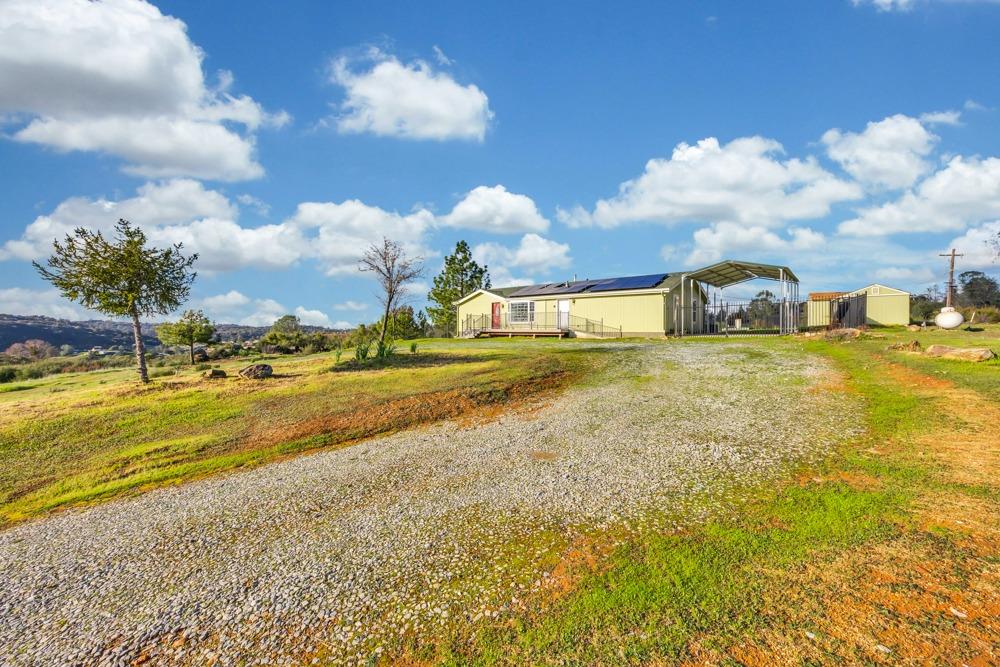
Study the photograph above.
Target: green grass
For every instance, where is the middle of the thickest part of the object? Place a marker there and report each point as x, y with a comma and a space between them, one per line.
659, 592
78, 438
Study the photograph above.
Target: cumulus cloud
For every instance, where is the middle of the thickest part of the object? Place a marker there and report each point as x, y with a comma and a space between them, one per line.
950, 117
23, 301
312, 317
964, 192
407, 100
889, 153
494, 209
533, 255
976, 245
339, 233
119, 77
155, 204
744, 181
907, 275
225, 302
350, 305
720, 240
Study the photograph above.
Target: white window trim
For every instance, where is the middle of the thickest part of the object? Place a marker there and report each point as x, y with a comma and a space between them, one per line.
518, 319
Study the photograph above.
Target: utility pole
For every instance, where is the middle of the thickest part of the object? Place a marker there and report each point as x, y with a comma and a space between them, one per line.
951, 276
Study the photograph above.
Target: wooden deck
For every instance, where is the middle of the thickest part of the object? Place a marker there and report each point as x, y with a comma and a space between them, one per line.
510, 333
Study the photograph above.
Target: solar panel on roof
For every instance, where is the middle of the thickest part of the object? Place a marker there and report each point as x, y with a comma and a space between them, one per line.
630, 282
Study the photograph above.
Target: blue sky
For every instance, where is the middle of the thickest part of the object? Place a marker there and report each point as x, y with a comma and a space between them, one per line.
852, 141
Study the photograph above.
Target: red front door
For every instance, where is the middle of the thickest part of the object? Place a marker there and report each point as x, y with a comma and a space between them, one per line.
496, 315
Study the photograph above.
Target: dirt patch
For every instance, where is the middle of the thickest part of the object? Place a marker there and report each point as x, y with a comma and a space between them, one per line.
539, 455
363, 421
930, 595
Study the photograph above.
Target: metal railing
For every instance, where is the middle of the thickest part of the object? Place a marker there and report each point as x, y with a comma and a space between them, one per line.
473, 325
747, 317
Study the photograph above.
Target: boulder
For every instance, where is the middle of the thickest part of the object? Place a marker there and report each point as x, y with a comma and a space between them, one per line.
215, 373
257, 372
912, 346
960, 353
913, 327
842, 334
200, 355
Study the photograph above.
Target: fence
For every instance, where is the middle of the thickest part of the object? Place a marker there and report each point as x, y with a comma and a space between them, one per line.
473, 325
849, 311
749, 317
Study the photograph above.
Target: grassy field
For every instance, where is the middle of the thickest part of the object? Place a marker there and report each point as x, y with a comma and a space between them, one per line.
888, 553
76, 438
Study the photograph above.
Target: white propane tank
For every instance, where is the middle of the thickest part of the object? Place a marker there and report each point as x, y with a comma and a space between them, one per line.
949, 318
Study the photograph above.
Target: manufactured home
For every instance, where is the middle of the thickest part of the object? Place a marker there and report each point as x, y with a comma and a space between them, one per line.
874, 305
659, 304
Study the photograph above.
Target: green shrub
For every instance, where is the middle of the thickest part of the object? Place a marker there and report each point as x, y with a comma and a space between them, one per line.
362, 350
202, 367
7, 375
983, 314
162, 372
384, 348
413, 348
31, 373
337, 354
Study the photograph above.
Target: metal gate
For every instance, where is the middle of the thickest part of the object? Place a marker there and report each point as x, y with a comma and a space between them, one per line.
849, 311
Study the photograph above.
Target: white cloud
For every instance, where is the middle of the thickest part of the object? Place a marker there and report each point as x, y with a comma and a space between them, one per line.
440, 56
975, 244
177, 211
343, 324
722, 239
259, 205
965, 192
904, 275
339, 233
236, 306
888, 153
741, 181
411, 101
951, 117
887, 5
312, 317
22, 301
155, 204
494, 209
224, 302
351, 305
264, 314
534, 254
119, 77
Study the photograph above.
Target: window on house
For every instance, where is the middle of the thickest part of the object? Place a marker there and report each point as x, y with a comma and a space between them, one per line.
875, 290
522, 311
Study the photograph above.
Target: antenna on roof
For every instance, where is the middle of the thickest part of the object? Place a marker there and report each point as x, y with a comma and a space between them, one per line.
574, 277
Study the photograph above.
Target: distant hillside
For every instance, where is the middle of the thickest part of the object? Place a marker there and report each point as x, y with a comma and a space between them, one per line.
100, 333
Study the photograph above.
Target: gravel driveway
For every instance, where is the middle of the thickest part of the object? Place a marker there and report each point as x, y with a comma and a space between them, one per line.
339, 555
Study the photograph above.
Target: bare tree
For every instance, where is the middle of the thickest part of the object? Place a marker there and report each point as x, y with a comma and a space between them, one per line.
394, 270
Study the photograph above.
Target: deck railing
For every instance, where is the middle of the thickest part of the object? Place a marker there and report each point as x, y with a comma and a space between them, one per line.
473, 325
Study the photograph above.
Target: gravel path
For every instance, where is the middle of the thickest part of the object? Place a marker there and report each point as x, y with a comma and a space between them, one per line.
339, 555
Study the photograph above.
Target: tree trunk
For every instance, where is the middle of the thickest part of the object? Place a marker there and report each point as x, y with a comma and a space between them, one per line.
385, 320
140, 349
192, 353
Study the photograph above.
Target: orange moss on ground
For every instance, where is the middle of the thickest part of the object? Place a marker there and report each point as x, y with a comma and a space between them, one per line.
930, 596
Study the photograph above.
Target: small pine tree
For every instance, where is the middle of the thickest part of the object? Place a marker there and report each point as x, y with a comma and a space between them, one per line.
192, 327
121, 277
461, 275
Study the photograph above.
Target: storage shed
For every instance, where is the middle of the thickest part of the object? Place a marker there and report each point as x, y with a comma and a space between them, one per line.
883, 306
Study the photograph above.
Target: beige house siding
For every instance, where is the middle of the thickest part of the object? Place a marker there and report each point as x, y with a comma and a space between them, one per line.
480, 304
636, 314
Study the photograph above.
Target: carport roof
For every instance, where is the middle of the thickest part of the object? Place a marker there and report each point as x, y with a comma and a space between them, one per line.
730, 272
